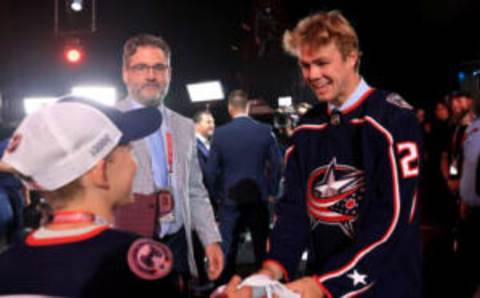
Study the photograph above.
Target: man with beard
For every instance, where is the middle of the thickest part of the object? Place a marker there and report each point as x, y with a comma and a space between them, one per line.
170, 194
204, 126
453, 162
461, 105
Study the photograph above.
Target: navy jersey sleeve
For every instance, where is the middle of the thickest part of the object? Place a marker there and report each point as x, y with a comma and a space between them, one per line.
290, 233
386, 231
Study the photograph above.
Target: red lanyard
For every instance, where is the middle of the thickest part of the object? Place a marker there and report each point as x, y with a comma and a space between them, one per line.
72, 216
168, 137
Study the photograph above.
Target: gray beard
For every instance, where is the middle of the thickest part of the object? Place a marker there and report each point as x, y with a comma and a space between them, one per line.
155, 102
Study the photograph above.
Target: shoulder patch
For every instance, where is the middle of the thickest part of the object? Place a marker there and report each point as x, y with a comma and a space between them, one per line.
398, 101
149, 259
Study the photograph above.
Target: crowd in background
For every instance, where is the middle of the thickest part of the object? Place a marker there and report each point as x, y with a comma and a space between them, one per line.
445, 216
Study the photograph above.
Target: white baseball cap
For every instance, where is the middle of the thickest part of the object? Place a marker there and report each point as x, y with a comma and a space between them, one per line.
61, 142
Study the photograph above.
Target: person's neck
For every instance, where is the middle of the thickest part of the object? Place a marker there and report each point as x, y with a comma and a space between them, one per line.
203, 139
139, 104
95, 206
351, 86
237, 114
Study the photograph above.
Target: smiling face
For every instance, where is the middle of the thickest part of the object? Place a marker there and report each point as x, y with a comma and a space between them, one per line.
205, 126
147, 75
460, 106
331, 76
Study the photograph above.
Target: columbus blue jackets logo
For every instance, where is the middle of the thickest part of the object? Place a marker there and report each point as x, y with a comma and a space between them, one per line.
149, 259
334, 193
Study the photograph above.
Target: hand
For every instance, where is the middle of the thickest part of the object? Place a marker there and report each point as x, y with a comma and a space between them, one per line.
231, 291
266, 272
307, 287
214, 254
271, 270
5, 168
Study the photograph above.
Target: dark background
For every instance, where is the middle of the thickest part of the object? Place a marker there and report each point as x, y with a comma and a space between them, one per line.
414, 47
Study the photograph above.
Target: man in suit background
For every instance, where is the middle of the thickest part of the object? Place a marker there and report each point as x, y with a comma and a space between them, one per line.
204, 126
167, 160
244, 165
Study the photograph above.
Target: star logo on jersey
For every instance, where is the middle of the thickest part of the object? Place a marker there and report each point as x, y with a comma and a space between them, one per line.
334, 192
357, 278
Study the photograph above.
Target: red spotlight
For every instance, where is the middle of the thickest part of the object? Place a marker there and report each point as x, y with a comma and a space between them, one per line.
73, 54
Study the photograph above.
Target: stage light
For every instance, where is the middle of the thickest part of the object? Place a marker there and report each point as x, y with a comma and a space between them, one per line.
205, 91
32, 104
106, 95
285, 101
73, 53
76, 5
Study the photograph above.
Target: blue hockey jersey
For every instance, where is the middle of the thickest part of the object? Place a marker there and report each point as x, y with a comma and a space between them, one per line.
96, 261
350, 198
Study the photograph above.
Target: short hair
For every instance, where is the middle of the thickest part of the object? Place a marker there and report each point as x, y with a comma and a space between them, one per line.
456, 94
144, 40
238, 99
320, 29
197, 117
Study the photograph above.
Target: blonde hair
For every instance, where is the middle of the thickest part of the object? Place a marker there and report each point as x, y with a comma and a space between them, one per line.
320, 29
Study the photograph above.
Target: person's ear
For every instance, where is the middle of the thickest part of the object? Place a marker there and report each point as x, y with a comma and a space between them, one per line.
98, 175
125, 74
352, 58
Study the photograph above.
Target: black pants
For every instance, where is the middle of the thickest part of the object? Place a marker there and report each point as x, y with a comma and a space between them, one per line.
469, 253
177, 243
234, 219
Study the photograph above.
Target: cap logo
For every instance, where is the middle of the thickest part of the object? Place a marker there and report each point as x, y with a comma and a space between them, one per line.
13, 144
100, 145
149, 259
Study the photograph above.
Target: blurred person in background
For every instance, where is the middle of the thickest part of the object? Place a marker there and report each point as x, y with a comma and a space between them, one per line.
204, 127
244, 166
12, 202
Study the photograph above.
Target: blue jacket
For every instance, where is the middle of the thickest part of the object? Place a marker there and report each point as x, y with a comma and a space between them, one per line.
351, 199
243, 149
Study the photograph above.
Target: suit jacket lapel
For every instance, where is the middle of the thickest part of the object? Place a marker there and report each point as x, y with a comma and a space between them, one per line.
203, 148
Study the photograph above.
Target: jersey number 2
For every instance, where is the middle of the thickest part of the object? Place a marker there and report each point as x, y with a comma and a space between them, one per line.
409, 161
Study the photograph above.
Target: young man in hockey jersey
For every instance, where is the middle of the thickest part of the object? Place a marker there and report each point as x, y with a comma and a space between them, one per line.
77, 155
351, 177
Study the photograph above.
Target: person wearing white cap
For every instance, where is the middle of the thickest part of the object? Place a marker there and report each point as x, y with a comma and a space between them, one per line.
77, 155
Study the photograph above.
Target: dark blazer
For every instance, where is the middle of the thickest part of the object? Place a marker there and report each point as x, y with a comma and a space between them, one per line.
243, 152
202, 155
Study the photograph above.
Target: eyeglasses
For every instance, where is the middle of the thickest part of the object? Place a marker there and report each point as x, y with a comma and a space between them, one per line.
145, 68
